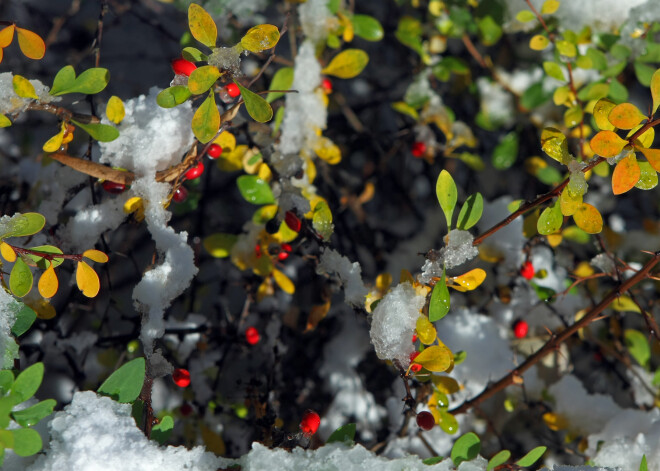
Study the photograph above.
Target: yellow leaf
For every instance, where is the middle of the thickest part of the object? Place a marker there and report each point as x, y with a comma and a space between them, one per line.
626, 174
583, 270
549, 7
655, 90
31, 44
201, 25
54, 143
554, 239
264, 172
435, 358
445, 384
349, 31
470, 280
569, 203
135, 205
588, 219
383, 281
48, 283
425, 330
4, 121
23, 87
95, 255
283, 282
214, 442
607, 144
555, 421
327, 150
87, 280
7, 252
624, 303
42, 307
601, 111
226, 140
115, 110
316, 314
260, 37
625, 116
6, 36
347, 64
645, 139
284, 234
538, 42
653, 157
232, 160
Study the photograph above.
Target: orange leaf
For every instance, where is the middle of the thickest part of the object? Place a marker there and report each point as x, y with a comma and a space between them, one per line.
625, 116
95, 255
626, 174
7, 252
652, 155
607, 144
48, 283
30, 43
6, 36
601, 111
588, 219
2, 53
87, 280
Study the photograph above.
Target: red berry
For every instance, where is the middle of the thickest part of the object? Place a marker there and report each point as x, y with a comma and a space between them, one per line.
326, 85
194, 171
181, 377
257, 250
292, 221
232, 90
214, 151
310, 423
183, 67
286, 247
413, 355
520, 329
415, 367
113, 188
282, 256
186, 409
252, 336
180, 195
425, 420
414, 338
418, 149
527, 270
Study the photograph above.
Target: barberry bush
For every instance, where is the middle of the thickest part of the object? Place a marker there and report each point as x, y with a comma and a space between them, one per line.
329, 234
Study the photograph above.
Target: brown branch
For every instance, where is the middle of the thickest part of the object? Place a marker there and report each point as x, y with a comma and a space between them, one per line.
557, 339
46, 255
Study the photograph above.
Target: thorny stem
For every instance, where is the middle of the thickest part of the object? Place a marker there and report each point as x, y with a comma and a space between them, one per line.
557, 339
46, 255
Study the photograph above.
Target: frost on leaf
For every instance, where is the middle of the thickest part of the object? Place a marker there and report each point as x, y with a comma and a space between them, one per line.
349, 273
459, 250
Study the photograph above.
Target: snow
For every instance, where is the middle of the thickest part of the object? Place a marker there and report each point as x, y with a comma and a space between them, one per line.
10, 102
496, 102
459, 249
226, 58
8, 345
85, 228
350, 274
393, 323
316, 19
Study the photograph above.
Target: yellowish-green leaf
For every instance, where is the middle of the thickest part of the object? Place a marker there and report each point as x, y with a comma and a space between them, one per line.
566, 48
23, 224
6, 36
588, 219
440, 299
525, 16
48, 283
549, 7
31, 44
260, 37
7, 252
435, 358
256, 106
206, 120
445, 384
573, 116
649, 177
95, 255
54, 143
645, 139
652, 155
347, 64
601, 111
404, 108
445, 190
20, 278
4, 121
219, 245
283, 282
626, 174
624, 303
322, 220
99, 131
327, 150
470, 280
538, 42
201, 25
550, 220
625, 116
554, 70
282, 80
607, 144
569, 203
87, 280
23, 87
655, 89
173, 96
553, 143
425, 330
203, 78
115, 110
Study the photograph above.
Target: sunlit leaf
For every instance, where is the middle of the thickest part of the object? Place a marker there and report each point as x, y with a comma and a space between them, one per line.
54, 143
440, 300
95, 255
20, 278
653, 157
347, 64
404, 108
7, 252
566, 48
531, 457
425, 330
588, 219
525, 16
23, 87
32, 415
260, 37
256, 106
91, 81
553, 143
42, 262
470, 280
99, 131
115, 110
206, 120
203, 78
569, 203
162, 430
445, 190
6, 36
549, 7
601, 111
445, 384
193, 54
283, 282
471, 212
201, 25
436, 358
125, 384
626, 174
173, 96
573, 116
31, 44
539, 42
48, 283
645, 139
655, 90
24, 224
87, 280
607, 144
219, 245
625, 116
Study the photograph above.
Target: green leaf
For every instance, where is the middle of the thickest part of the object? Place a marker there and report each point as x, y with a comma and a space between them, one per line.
193, 54
6, 381
648, 178
91, 81
448, 422
655, 90
255, 190
173, 96
27, 383
206, 120
531, 457
257, 107
162, 431
445, 190
470, 212
201, 25
489, 31
20, 278
219, 245
506, 152
345, 433
543, 293
554, 70
100, 132
367, 27
203, 78
498, 459
33, 414
23, 225
347, 64
566, 48
7, 403
432, 460
644, 73
550, 220
41, 262
25, 317
440, 301
466, 448
27, 441
282, 80
638, 346
125, 384
642, 465
535, 96
322, 220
